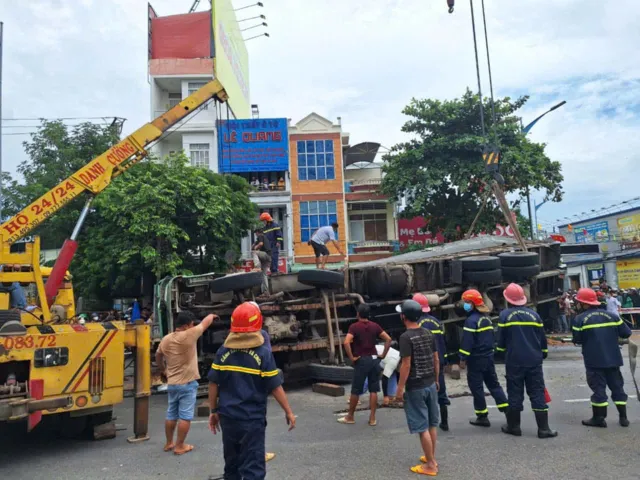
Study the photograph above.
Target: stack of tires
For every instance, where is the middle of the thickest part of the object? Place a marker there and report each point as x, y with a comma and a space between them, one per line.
519, 266
481, 270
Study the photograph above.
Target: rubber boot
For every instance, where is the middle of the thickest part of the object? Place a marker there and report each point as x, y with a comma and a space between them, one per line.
444, 418
542, 419
622, 411
513, 423
481, 420
598, 418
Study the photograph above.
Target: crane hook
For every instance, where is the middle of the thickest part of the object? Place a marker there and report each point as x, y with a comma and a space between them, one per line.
451, 4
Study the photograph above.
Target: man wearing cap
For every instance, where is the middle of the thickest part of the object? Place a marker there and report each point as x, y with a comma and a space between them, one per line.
476, 350
598, 331
521, 335
419, 372
242, 376
432, 324
273, 232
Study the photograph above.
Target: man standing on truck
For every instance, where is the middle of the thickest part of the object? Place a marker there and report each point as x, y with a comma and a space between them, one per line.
262, 258
432, 324
242, 376
521, 335
360, 345
274, 233
476, 350
319, 242
178, 357
598, 331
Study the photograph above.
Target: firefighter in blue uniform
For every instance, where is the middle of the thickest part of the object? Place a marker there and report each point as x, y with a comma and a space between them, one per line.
476, 352
432, 324
521, 335
242, 376
274, 233
598, 331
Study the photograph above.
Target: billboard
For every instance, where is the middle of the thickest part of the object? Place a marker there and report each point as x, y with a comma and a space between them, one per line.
595, 272
230, 57
413, 231
596, 232
259, 145
629, 228
628, 273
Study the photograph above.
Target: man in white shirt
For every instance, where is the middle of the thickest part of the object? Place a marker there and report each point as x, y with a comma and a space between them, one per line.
613, 304
319, 242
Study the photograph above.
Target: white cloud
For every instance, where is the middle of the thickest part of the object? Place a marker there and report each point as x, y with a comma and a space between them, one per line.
362, 61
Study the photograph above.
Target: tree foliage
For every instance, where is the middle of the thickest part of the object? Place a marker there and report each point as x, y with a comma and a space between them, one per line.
440, 173
162, 217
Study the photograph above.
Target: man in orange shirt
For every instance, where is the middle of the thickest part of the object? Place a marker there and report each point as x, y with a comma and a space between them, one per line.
177, 355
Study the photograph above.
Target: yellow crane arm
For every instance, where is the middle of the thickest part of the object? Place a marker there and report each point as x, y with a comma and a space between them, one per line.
98, 173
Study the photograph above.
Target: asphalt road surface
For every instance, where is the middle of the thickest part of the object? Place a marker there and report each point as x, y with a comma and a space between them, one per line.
320, 448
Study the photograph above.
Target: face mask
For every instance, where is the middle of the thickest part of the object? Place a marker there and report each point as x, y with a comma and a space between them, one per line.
468, 307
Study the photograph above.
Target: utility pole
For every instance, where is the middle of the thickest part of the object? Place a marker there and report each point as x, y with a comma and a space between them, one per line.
1, 189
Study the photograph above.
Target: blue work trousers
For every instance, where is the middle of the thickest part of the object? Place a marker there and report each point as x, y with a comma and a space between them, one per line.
275, 255
533, 379
482, 371
243, 444
599, 378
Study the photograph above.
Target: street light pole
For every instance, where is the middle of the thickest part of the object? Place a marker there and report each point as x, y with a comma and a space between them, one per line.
535, 212
526, 130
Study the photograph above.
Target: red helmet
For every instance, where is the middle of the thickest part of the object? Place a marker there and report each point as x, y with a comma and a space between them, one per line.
514, 294
265, 217
246, 318
423, 301
473, 296
587, 296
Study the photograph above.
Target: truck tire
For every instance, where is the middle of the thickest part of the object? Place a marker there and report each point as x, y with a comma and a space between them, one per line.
236, 281
519, 259
520, 273
321, 278
487, 277
331, 373
480, 263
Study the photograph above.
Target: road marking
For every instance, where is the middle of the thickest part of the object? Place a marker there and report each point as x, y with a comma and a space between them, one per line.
578, 400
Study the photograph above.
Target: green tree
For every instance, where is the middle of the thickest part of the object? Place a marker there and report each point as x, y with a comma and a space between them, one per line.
161, 218
440, 174
55, 151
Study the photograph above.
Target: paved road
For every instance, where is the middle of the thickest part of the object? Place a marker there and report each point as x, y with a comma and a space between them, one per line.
321, 449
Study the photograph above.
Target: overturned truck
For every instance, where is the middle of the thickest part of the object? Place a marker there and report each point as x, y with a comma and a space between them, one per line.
308, 313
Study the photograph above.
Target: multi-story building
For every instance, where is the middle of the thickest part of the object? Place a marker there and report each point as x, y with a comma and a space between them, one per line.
180, 62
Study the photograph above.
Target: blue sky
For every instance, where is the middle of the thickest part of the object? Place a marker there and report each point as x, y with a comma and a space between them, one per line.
362, 61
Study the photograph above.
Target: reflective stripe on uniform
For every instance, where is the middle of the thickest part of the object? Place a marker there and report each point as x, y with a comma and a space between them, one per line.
603, 404
500, 349
464, 352
620, 403
521, 324
480, 412
250, 371
540, 409
271, 230
476, 330
598, 325
503, 405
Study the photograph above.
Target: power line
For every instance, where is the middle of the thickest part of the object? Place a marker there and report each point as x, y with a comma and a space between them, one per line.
59, 118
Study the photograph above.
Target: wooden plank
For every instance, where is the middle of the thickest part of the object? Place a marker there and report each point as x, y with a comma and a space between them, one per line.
328, 389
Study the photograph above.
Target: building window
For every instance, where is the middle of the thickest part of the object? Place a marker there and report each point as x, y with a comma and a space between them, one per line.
314, 215
199, 154
193, 87
316, 160
174, 99
370, 227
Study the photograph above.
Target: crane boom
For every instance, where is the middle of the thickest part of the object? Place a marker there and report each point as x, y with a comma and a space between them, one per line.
96, 175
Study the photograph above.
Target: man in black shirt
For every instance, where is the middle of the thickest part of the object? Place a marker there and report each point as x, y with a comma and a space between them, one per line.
262, 258
419, 373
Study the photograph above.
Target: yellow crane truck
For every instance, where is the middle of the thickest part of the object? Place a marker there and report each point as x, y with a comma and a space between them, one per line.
51, 364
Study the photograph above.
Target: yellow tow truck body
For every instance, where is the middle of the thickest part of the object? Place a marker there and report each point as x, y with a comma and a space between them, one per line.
51, 364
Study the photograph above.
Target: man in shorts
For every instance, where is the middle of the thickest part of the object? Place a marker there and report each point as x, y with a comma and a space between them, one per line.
360, 345
177, 355
319, 242
419, 373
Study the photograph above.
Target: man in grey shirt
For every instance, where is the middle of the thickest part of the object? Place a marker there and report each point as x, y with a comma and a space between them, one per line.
319, 242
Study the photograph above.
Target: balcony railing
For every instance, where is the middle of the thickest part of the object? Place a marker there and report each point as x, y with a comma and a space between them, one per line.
374, 246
